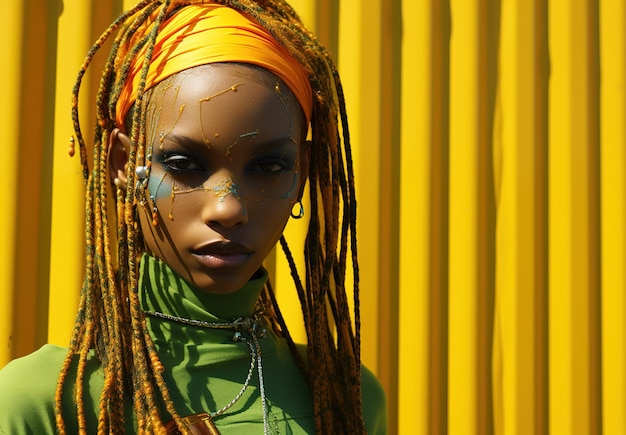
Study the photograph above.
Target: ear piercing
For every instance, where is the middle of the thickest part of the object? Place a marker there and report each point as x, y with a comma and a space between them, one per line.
300, 213
119, 183
142, 173
155, 216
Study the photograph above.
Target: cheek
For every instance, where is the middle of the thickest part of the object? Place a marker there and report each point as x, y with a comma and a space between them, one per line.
269, 216
272, 190
148, 230
162, 192
159, 186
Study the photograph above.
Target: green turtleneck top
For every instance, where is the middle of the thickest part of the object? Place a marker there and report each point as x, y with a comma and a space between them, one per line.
204, 368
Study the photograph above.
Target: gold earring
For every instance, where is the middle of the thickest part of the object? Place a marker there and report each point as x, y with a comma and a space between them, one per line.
300, 213
119, 183
155, 216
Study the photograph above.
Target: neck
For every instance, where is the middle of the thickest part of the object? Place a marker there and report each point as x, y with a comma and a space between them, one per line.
162, 290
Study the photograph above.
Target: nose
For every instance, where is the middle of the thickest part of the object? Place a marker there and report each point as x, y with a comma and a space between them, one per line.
224, 207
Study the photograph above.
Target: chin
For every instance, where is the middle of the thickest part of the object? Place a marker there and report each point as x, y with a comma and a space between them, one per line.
220, 283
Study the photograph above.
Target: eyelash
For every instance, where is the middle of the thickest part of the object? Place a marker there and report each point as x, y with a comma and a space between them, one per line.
172, 162
277, 165
181, 164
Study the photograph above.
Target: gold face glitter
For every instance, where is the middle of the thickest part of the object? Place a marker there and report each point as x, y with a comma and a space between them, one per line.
224, 188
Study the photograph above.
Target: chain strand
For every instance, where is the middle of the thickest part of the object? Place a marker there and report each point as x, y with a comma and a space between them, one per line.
248, 324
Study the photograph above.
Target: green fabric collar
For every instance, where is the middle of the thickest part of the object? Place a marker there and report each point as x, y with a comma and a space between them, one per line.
162, 290
187, 350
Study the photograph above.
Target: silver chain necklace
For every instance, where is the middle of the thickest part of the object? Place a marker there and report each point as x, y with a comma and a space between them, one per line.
253, 326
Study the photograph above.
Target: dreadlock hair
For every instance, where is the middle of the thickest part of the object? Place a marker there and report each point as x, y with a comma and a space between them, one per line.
110, 321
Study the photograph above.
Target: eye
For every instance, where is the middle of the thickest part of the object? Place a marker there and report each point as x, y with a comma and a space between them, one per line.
272, 165
181, 163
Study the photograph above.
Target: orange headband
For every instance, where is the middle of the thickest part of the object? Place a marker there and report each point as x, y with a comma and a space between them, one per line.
208, 33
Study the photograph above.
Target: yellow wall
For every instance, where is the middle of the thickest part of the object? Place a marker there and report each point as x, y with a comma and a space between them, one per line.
490, 155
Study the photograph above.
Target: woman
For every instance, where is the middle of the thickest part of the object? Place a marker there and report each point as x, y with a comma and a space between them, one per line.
203, 114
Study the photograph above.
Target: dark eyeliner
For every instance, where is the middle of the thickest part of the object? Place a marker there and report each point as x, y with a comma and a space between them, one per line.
173, 161
283, 163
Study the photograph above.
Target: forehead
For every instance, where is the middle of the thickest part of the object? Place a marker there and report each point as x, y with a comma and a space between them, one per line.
221, 93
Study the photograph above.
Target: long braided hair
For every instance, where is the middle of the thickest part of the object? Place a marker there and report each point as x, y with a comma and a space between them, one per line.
110, 321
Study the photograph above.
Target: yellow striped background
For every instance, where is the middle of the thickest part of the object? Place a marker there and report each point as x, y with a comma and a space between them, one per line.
490, 155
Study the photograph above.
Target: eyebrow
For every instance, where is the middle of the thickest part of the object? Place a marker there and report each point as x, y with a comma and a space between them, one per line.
184, 141
189, 142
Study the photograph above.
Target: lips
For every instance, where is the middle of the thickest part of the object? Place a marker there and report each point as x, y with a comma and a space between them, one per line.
222, 255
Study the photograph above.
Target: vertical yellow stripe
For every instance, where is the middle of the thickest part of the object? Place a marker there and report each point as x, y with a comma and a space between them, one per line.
359, 48
422, 394
10, 76
470, 227
464, 155
573, 225
387, 303
67, 253
521, 220
32, 227
413, 406
516, 216
613, 152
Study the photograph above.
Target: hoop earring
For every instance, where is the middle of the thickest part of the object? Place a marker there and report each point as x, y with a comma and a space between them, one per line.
300, 213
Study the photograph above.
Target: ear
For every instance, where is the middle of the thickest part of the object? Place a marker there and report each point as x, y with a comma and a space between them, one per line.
305, 159
119, 146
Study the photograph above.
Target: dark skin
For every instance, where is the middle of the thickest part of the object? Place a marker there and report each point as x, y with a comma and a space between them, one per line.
229, 161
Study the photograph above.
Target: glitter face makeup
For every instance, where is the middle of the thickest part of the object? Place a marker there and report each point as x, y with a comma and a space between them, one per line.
227, 158
224, 188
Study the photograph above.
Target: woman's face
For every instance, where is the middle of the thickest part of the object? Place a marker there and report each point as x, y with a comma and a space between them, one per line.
228, 164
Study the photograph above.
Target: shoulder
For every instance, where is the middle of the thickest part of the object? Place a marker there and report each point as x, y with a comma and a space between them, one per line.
32, 375
374, 403
27, 389
372, 397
